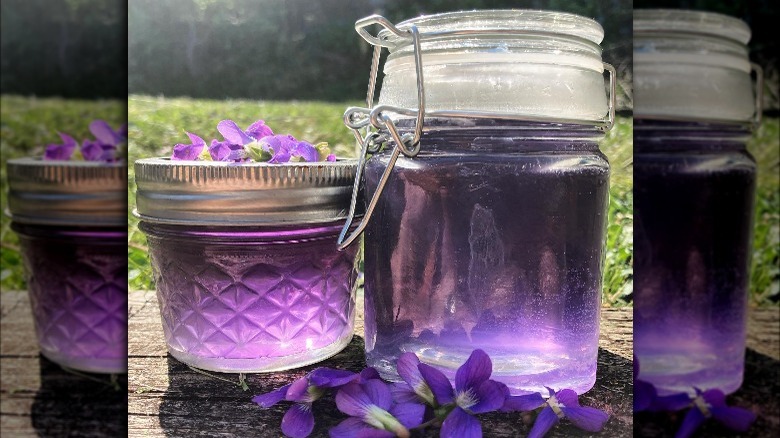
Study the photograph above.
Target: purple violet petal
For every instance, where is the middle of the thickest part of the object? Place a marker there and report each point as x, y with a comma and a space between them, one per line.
402, 393
644, 395
693, 419
523, 403
674, 402
233, 133
222, 150
196, 141
439, 383
567, 397
544, 422
409, 414
68, 142
459, 424
474, 371
271, 398
586, 418
714, 397
355, 428
298, 422
407, 369
91, 150
331, 378
259, 130
369, 373
331, 157
353, 400
491, 397
298, 391
103, 132
379, 393
737, 419
304, 151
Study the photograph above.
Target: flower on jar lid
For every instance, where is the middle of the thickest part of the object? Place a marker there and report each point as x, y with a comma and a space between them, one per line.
257, 143
105, 147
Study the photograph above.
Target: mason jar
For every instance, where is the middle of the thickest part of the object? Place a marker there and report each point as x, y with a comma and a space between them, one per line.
248, 272
71, 219
694, 185
492, 235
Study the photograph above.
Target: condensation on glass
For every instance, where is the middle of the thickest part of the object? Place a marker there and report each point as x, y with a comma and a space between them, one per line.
71, 218
248, 272
694, 185
492, 235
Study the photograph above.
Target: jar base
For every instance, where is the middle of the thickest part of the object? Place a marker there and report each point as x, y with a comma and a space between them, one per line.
87, 364
261, 365
521, 380
683, 372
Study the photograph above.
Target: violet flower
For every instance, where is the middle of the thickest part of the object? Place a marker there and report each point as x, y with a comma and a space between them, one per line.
373, 413
298, 422
712, 404
106, 144
413, 389
474, 393
190, 151
61, 151
226, 151
564, 404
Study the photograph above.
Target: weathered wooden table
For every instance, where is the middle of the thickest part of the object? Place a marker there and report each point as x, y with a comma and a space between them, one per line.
166, 398
38, 398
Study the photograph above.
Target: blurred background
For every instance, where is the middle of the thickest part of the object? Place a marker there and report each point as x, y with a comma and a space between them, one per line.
63, 64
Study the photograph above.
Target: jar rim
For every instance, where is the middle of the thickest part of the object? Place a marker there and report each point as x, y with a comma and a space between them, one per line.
531, 20
691, 22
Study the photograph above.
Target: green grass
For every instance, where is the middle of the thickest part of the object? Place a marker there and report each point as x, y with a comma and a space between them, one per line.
156, 124
27, 125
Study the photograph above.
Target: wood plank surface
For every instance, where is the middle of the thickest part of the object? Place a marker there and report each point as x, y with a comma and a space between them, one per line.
40, 399
167, 398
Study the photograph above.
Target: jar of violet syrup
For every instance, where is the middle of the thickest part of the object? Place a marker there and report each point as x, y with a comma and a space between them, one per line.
71, 218
694, 185
487, 194
248, 272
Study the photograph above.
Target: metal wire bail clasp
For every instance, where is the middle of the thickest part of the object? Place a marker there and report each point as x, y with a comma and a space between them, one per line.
377, 118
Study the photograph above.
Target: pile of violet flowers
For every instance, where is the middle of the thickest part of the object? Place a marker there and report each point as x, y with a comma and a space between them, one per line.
701, 407
107, 147
425, 398
257, 143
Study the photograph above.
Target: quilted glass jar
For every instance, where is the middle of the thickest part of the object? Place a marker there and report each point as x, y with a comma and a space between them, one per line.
248, 272
694, 187
490, 236
72, 226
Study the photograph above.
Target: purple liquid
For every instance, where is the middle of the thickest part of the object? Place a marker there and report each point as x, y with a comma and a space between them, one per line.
492, 240
242, 300
77, 281
693, 218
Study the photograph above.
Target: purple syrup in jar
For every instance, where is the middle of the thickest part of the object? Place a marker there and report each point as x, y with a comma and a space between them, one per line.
248, 300
245, 257
693, 208
490, 238
77, 281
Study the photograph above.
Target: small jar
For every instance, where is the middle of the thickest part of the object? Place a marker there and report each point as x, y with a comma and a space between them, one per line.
72, 226
492, 236
248, 272
694, 185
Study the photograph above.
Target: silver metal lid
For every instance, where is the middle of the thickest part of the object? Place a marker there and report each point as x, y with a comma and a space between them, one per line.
693, 66
70, 193
228, 194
